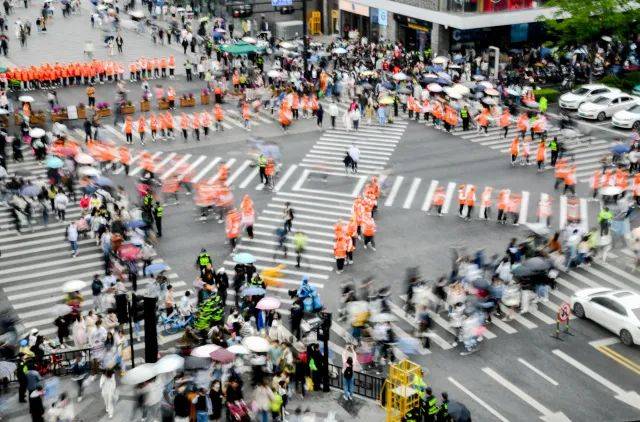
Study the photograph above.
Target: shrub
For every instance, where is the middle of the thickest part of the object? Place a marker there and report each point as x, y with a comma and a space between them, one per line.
550, 93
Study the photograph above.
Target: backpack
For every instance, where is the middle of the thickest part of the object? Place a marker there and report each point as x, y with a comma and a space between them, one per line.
348, 373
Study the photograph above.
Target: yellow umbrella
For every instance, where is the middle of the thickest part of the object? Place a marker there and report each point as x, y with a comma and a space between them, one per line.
271, 276
386, 100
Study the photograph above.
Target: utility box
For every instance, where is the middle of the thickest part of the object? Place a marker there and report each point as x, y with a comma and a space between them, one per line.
288, 30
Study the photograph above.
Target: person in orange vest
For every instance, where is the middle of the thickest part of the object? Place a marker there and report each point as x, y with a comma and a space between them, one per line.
167, 125
369, 232
340, 253
544, 210
485, 202
270, 171
438, 201
595, 184
622, 180
171, 97
184, 125
142, 123
560, 172
223, 173
206, 123
248, 214
470, 200
515, 149
128, 130
170, 187
154, 124
218, 115
351, 230
245, 115
523, 124
526, 152
217, 92
163, 67
503, 203
172, 66
570, 180
505, 121
450, 118
541, 155
232, 227
462, 198
195, 124
514, 208
482, 120
125, 158
573, 210
636, 188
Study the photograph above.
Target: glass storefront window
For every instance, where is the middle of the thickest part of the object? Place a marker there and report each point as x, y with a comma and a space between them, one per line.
487, 6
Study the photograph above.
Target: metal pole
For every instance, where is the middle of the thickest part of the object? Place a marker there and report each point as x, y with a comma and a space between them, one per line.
326, 330
305, 44
133, 358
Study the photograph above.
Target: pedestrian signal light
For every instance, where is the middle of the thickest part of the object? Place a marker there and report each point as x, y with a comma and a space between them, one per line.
287, 10
137, 308
242, 11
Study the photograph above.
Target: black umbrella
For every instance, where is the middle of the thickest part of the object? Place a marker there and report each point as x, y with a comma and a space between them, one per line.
522, 271
459, 412
538, 264
192, 362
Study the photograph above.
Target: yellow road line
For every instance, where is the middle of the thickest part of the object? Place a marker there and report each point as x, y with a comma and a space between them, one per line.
622, 360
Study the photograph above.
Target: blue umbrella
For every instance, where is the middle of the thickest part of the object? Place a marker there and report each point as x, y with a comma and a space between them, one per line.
620, 149
244, 258
54, 162
30, 190
443, 81
136, 224
104, 181
253, 291
154, 269
408, 345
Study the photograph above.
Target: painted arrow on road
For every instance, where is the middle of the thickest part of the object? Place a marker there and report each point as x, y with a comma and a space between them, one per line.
547, 414
631, 398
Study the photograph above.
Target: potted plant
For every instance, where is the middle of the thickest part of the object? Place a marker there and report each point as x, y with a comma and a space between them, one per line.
103, 110
58, 114
82, 111
187, 100
128, 108
205, 96
163, 103
145, 104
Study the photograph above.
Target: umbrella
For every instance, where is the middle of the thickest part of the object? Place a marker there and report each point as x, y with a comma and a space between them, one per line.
433, 87
30, 190
73, 286
240, 48
383, 317
7, 369
253, 291
136, 224
538, 228
440, 60
25, 99
104, 181
443, 75
537, 264
244, 258
522, 271
287, 45
366, 85
463, 90
404, 90
128, 252
620, 149
238, 349
54, 162
4, 111
367, 73
222, 356
400, 76
169, 363
84, 158
268, 303
386, 100
154, 269
204, 351
256, 344
339, 50
489, 101
458, 412
60, 310
514, 92
610, 191
429, 77
486, 84
249, 40
606, 38
88, 171
36, 132
408, 345
274, 74
478, 78
492, 92
140, 374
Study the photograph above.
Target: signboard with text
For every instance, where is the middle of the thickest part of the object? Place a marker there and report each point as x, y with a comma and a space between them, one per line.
280, 3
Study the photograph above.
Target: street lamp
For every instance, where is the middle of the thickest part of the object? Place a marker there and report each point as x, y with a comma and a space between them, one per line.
496, 60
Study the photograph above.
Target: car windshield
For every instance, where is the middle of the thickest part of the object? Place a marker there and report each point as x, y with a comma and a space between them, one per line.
601, 100
580, 91
635, 109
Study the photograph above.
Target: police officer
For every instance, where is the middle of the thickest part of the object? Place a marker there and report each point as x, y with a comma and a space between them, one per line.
158, 212
21, 371
553, 147
203, 260
464, 115
443, 413
262, 168
431, 408
412, 415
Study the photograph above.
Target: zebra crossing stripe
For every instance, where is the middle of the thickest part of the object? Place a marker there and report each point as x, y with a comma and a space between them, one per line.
429, 198
248, 179
524, 207
166, 160
359, 186
412, 193
238, 171
118, 134
286, 177
447, 197
176, 166
584, 222
139, 168
394, 191
196, 163
563, 212
228, 164
133, 160
205, 170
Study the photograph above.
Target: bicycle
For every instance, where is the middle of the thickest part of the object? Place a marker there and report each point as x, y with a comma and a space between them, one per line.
175, 322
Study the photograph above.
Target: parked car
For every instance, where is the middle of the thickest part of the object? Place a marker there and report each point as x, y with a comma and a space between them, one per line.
616, 310
606, 105
627, 119
572, 100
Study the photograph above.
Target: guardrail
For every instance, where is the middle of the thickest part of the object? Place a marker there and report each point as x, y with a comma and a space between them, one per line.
364, 385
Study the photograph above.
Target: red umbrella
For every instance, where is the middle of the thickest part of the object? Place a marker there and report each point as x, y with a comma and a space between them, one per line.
129, 252
222, 356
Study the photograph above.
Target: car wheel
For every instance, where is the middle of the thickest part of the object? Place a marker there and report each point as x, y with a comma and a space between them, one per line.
636, 125
601, 116
578, 310
625, 338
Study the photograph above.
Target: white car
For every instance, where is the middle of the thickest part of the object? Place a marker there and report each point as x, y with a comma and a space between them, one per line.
574, 99
606, 105
627, 119
616, 310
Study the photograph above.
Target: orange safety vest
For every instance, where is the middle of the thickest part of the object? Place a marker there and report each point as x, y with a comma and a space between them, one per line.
486, 197
505, 119
128, 126
439, 196
470, 199
369, 227
217, 111
184, 121
141, 124
340, 248
462, 190
515, 146
541, 153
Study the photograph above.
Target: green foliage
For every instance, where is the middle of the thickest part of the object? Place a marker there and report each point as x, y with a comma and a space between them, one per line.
582, 21
626, 82
550, 93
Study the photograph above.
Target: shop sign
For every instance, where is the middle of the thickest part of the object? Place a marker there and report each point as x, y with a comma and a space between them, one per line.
352, 7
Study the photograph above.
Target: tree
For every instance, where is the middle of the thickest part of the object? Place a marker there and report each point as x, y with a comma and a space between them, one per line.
579, 22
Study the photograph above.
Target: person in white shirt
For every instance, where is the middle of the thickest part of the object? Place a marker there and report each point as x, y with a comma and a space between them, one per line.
60, 201
333, 112
72, 237
354, 154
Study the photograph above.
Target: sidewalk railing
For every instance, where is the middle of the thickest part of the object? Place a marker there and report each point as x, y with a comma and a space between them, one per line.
364, 385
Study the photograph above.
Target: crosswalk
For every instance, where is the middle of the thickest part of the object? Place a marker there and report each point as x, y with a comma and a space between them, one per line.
586, 151
34, 264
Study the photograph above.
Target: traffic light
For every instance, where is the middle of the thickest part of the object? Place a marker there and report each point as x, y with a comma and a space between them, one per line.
122, 308
150, 330
242, 11
287, 10
325, 326
137, 308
